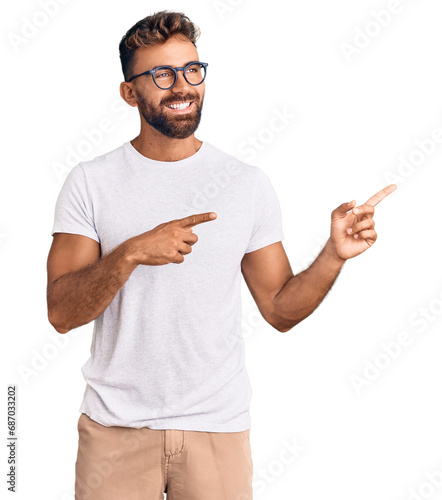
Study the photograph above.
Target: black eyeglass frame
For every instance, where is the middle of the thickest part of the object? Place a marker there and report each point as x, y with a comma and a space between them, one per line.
175, 70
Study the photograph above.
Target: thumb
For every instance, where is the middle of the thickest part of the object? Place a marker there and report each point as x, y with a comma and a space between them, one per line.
341, 211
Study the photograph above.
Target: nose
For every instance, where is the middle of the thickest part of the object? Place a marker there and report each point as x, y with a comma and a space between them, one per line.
181, 82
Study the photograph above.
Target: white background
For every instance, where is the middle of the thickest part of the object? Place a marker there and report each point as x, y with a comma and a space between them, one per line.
352, 120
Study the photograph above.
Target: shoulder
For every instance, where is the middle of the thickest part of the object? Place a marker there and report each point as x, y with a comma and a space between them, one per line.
103, 161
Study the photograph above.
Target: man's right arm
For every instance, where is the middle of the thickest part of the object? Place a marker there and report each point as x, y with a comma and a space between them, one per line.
81, 285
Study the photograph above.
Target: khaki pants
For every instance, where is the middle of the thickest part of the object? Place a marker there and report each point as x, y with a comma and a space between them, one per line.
123, 463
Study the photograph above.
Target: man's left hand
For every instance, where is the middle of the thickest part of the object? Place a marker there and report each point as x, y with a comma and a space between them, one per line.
353, 232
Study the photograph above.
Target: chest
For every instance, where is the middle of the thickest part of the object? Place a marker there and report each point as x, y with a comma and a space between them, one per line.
134, 203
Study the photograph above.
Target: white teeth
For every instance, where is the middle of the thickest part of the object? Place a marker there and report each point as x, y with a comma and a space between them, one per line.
179, 106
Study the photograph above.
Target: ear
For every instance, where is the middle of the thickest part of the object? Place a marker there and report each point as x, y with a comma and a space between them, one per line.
127, 93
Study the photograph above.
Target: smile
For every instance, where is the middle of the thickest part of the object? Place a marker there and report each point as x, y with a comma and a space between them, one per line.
180, 106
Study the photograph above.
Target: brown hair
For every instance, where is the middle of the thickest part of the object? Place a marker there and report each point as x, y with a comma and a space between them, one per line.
152, 30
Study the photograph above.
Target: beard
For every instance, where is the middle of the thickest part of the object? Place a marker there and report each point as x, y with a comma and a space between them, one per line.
175, 127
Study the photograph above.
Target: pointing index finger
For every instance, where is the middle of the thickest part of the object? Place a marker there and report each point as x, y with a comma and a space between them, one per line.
380, 195
193, 220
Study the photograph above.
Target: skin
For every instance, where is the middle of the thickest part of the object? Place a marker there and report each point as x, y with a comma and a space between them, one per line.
144, 94
285, 299
82, 283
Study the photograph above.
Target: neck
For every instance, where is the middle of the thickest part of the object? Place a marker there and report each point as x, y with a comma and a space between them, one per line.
158, 147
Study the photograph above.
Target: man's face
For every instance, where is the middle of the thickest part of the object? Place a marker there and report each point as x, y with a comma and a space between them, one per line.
153, 102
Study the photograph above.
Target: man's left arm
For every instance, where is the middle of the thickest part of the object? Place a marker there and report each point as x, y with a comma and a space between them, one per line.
284, 299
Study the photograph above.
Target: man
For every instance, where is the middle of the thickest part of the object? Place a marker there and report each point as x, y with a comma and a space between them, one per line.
150, 241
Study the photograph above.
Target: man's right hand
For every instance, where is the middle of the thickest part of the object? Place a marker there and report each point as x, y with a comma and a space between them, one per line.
168, 242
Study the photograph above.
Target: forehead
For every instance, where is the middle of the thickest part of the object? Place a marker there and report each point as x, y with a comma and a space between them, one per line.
177, 51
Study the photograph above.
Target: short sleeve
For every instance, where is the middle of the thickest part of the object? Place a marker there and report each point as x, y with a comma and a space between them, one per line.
267, 226
73, 209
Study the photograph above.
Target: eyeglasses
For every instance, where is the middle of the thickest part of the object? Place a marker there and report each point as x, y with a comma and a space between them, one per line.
165, 77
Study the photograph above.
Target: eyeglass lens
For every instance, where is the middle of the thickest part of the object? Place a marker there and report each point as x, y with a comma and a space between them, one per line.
165, 77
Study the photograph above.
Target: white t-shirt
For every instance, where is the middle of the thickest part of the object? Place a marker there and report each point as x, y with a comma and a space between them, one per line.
168, 351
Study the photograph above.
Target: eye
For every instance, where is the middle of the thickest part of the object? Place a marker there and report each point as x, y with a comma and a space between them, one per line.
195, 68
163, 73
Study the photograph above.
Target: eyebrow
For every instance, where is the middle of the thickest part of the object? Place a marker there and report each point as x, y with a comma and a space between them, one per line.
160, 65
